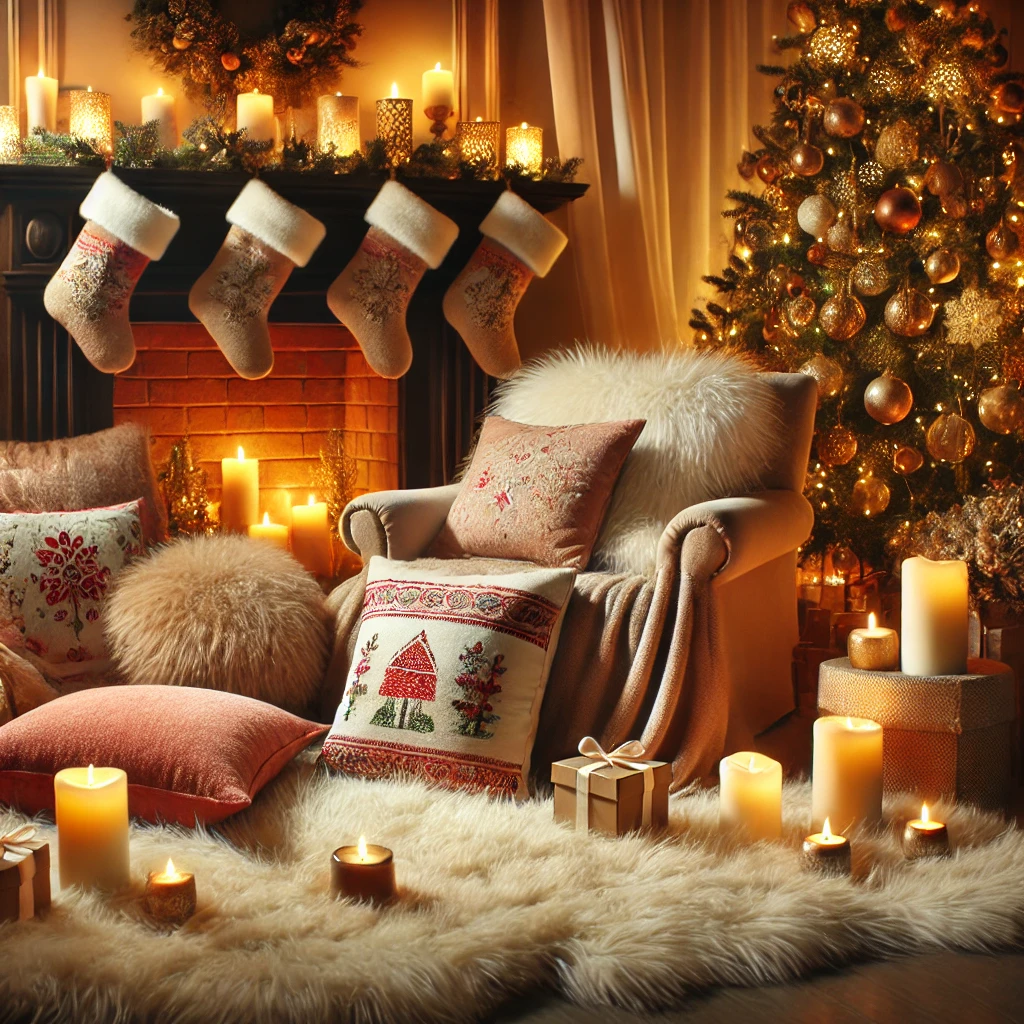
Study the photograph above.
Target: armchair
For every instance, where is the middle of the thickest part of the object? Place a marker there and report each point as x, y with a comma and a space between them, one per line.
695, 660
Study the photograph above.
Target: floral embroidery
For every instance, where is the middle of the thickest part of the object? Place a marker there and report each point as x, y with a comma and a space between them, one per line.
245, 284
72, 573
479, 682
357, 688
411, 676
379, 285
493, 288
101, 274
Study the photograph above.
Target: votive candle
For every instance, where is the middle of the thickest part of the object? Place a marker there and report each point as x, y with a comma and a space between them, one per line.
524, 147
924, 837
41, 102
750, 795
91, 808
846, 775
875, 649
478, 142
934, 617
363, 872
170, 895
275, 533
337, 123
827, 853
90, 117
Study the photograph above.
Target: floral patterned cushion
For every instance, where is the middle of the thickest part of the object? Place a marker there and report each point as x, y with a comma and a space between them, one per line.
450, 676
538, 494
55, 571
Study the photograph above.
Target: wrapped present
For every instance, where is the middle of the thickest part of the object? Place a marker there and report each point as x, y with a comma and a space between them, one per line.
24, 875
943, 736
615, 791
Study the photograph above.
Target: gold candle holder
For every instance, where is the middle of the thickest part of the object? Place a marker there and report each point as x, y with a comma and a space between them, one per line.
337, 123
874, 649
170, 895
90, 117
394, 126
478, 142
923, 837
363, 872
827, 854
524, 147
10, 140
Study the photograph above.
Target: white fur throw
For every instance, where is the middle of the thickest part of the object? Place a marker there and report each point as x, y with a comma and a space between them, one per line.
713, 423
227, 613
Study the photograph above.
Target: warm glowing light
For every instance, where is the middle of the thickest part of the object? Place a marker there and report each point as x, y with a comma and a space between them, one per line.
160, 91
751, 767
362, 847
337, 94
170, 869
241, 453
826, 830
872, 621
437, 66
266, 518
255, 92
40, 75
90, 778
479, 119
524, 125
88, 88
924, 814
394, 90
312, 500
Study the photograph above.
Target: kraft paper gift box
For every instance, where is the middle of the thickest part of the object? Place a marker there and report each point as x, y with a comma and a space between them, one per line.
24, 875
606, 792
949, 736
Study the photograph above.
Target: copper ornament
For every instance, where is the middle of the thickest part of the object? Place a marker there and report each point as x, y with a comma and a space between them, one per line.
806, 160
842, 316
843, 118
801, 17
795, 285
954, 205
898, 210
943, 177
837, 447
870, 276
942, 266
1001, 408
766, 169
907, 460
230, 61
800, 311
817, 254
950, 438
909, 313
1001, 241
870, 496
888, 399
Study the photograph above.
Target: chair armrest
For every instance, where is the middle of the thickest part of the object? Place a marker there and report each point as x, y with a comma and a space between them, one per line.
727, 537
396, 524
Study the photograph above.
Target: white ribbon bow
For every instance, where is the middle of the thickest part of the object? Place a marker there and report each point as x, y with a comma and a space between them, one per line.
625, 755
12, 844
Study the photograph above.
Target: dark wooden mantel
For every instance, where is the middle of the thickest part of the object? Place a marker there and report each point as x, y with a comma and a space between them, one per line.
48, 389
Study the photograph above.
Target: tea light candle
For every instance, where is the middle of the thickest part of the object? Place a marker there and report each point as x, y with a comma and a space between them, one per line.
478, 142
923, 837
240, 493
170, 895
876, 649
159, 107
10, 139
394, 126
363, 872
254, 112
524, 147
276, 533
311, 537
337, 123
846, 776
91, 808
90, 117
41, 102
934, 617
750, 795
827, 853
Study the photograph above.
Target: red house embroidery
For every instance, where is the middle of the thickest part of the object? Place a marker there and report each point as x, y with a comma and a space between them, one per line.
412, 673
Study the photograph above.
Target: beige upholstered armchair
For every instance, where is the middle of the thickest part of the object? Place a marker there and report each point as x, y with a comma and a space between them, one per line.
693, 661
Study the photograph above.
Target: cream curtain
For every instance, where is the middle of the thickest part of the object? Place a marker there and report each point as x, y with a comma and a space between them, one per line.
658, 97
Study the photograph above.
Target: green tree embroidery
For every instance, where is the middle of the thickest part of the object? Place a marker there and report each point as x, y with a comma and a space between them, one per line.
479, 683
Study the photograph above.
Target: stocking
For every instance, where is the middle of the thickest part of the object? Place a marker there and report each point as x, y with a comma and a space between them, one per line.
268, 238
89, 294
371, 295
481, 302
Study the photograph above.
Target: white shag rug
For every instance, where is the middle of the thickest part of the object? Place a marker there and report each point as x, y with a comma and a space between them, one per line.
497, 900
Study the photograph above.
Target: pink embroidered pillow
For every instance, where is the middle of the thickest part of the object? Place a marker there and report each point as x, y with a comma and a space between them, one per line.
190, 754
537, 494
55, 571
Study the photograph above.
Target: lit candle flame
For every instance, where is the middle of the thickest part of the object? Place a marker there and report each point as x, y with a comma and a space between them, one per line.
40, 75
255, 92
312, 500
826, 830
872, 621
90, 777
924, 814
437, 66
479, 119
170, 869
266, 518
751, 767
394, 90
241, 453
362, 847
88, 88
337, 94
849, 720
524, 125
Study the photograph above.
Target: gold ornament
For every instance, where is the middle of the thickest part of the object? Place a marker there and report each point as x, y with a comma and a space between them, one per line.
827, 374
907, 460
870, 276
832, 47
801, 17
816, 215
1009, 97
898, 210
183, 484
1001, 409
942, 266
870, 496
888, 399
842, 316
943, 177
181, 44
806, 160
897, 145
950, 438
946, 82
871, 176
841, 237
845, 560
843, 118
800, 311
1001, 241
837, 446
909, 313
973, 319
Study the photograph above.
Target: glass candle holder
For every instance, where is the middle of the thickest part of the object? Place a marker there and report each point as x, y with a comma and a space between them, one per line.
524, 147
478, 142
170, 895
337, 123
826, 853
924, 837
10, 142
90, 117
394, 126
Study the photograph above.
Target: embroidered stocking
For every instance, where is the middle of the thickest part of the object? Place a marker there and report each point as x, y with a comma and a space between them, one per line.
481, 302
89, 294
268, 238
371, 295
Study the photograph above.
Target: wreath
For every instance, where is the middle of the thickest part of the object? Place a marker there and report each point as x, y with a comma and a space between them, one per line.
300, 58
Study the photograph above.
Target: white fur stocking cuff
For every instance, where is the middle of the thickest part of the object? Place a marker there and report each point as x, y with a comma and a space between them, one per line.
132, 218
412, 223
269, 217
527, 234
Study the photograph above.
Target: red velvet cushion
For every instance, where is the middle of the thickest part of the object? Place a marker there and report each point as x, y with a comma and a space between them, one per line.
190, 754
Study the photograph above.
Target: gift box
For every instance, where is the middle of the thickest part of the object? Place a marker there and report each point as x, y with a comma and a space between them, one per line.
615, 792
24, 875
943, 736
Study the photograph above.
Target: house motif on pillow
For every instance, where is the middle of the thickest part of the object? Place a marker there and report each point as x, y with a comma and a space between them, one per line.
411, 676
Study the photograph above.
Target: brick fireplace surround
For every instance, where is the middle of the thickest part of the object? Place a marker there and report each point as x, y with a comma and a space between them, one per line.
181, 384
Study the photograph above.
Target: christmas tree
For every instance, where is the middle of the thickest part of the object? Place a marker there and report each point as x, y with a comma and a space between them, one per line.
885, 258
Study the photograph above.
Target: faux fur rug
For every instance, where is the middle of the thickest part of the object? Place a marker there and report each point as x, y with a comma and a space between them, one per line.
497, 899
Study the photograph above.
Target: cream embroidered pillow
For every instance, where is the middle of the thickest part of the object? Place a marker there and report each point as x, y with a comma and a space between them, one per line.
450, 675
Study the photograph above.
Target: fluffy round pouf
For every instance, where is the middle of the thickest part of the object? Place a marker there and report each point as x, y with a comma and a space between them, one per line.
226, 613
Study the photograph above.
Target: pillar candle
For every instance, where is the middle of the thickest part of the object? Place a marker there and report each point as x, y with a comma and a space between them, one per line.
275, 533
337, 123
91, 807
90, 117
311, 537
438, 89
255, 113
159, 107
750, 797
240, 493
846, 777
41, 103
363, 872
10, 137
935, 617
524, 146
